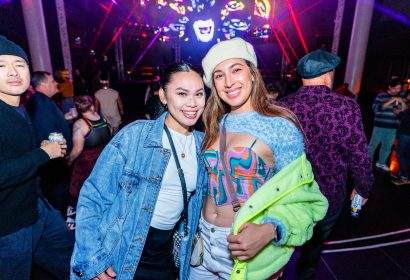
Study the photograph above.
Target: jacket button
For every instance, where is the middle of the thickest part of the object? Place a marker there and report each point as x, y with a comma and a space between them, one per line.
277, 189
251, 206
78, 273
212, 230
238, 271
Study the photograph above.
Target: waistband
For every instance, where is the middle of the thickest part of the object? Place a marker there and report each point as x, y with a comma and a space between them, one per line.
210, 227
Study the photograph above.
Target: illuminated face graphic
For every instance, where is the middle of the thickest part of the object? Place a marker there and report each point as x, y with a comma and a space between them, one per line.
237, 24
262, 8
204, 30
177, 27
233, 6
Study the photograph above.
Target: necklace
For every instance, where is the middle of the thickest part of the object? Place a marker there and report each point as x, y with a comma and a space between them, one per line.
182, 148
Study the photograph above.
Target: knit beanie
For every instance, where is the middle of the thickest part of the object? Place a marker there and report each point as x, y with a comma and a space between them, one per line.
234, 48
8, 47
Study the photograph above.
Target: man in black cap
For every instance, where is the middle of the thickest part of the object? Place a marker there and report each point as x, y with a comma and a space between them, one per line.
30, 229
336, 144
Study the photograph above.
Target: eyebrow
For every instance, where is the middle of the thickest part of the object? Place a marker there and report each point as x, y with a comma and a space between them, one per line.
183, 89
230, 67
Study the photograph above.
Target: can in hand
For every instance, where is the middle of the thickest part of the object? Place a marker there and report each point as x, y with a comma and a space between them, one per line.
74, 112
356, 205
55, 137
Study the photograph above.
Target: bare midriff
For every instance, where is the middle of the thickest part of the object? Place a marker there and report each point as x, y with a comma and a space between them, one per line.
220, 216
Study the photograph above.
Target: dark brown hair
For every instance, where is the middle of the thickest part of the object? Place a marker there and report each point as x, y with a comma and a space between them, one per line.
83, 103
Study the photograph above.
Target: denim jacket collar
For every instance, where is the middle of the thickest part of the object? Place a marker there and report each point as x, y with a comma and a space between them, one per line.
154, 137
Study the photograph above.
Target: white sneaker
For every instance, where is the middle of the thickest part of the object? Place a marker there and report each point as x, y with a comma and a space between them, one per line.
384, 167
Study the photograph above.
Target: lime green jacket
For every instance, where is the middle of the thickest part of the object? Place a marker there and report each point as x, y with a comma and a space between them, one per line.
292, 201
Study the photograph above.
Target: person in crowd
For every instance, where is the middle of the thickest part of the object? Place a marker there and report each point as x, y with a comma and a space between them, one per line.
48, 118
386, 121
337, 145
344, 90
108, 102
267, 175
154, 107
403, 147
273, 92
91, 133
30, 229
66, 87
131, 204
79, 84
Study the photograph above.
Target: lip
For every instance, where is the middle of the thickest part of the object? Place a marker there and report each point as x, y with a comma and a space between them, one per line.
15, 83
190, 114
233, 93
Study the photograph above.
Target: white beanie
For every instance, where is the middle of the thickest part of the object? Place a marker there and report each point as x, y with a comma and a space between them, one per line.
234, 48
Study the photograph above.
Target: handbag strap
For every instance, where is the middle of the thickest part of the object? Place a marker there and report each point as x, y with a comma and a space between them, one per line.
182, 178
222, 150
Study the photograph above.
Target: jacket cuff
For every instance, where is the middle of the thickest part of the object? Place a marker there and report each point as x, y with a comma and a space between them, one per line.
90, 269
280, 230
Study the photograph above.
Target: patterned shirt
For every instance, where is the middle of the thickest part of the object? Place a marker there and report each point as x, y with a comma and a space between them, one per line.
335, 141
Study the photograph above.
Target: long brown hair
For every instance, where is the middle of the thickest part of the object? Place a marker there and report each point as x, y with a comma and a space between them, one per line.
216, 107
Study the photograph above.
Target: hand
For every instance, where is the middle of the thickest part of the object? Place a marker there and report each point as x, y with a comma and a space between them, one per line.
54, 149
250, 240
108, 274
354, 193
396, 111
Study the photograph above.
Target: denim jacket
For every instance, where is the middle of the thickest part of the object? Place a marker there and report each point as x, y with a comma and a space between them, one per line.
117, 202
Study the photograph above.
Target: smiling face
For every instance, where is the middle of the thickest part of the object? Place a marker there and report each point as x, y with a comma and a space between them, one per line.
185, 97
14, 78
233, 83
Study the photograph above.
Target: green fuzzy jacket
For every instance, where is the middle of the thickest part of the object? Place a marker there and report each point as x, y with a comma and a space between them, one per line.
292, 201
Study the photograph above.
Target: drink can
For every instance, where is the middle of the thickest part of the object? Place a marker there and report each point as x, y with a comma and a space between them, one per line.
55, 137
73, 112
356, 205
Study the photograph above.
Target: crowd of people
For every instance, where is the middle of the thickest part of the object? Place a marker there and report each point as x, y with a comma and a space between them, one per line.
159, 199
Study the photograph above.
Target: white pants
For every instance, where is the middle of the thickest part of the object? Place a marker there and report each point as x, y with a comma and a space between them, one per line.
218, 261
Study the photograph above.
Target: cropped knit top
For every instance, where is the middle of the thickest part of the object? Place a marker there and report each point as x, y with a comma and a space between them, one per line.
248, 171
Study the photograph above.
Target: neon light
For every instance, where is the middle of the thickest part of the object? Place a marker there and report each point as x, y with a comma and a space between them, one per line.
299, 31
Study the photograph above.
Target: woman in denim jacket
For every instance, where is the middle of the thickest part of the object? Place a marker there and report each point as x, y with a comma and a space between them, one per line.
132, 201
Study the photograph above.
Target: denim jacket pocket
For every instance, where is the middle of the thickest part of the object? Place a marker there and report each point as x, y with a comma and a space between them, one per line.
129, 181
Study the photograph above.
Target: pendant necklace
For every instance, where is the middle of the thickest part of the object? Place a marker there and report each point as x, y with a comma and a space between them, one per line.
182, 154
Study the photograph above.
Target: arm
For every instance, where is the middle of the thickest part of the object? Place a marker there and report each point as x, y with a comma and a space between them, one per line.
120, 105
97, 196
14, 171
79, 130
377, 104
390, 102
359, 162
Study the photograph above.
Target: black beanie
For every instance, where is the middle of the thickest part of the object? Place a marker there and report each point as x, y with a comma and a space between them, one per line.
8, 47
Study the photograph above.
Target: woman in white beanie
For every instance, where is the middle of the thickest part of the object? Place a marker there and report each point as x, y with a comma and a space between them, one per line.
261, 147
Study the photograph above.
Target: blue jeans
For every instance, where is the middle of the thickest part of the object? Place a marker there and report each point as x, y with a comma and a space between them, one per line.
403, 154
385, 137
47, 243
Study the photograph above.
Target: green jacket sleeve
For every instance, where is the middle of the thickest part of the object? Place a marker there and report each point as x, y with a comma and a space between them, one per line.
296, 214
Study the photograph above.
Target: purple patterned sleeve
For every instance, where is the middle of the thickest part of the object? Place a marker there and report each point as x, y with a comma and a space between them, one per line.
360, 162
